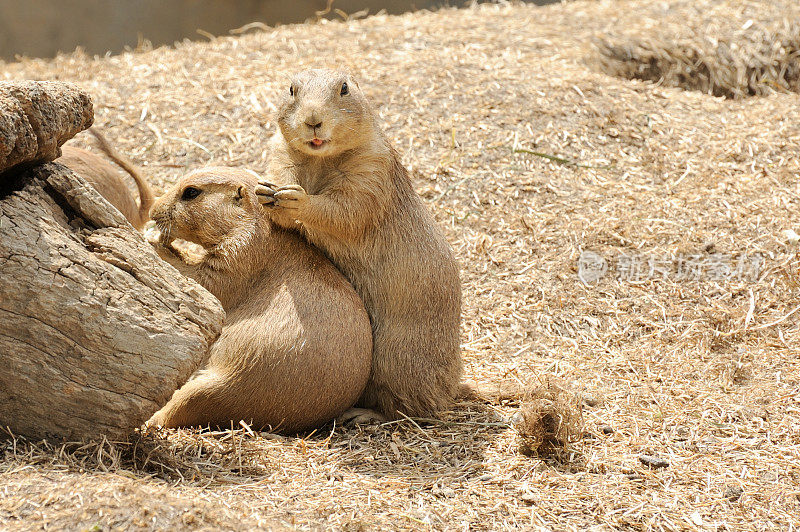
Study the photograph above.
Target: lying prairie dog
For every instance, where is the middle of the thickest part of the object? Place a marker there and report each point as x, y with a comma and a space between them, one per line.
296, 347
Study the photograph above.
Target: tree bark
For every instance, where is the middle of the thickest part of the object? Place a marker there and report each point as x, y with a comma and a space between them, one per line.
96, 331
36, 118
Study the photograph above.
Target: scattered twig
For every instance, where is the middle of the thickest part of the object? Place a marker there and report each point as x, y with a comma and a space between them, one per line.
559, 160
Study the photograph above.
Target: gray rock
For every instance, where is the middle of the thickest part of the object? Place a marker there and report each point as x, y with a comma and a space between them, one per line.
733, 493
655, 462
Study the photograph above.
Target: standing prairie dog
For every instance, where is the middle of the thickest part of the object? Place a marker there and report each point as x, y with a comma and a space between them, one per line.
343, 186
108, 180
296, 347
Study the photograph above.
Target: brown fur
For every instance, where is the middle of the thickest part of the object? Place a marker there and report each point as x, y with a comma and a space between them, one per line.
109, 181
352, 198
296, 347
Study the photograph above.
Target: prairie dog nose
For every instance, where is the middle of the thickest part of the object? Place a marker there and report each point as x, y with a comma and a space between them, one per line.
159, 209
313, 117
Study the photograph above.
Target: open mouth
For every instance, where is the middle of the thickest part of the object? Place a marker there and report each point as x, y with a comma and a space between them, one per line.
316, 143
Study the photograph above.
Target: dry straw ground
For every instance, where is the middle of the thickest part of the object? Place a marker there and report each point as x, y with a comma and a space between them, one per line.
528, 155
731, 49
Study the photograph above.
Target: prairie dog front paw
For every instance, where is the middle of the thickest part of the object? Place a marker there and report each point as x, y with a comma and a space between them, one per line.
292, 197
265, 192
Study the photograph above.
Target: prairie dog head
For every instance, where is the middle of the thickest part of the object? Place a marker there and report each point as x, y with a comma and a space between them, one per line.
323, 113
209, 206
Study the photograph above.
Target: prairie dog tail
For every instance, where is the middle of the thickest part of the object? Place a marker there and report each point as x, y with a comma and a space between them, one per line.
146, 197
513, 392
492, 393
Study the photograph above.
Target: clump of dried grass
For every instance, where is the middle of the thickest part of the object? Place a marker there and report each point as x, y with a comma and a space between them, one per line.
550, 417
726, 48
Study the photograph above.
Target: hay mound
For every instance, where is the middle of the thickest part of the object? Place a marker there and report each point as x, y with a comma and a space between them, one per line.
550, 417
726, 48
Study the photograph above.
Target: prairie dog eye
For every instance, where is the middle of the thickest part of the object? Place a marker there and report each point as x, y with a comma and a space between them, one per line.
190, 193
345, 89
291, 90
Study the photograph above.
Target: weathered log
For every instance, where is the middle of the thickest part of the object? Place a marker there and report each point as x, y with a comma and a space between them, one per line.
36, 118
96, 331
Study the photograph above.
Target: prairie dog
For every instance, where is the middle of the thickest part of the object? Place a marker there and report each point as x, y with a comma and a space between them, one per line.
108, 180
296, 347
342, 185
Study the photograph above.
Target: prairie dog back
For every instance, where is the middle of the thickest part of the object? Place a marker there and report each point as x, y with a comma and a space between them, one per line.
109, 181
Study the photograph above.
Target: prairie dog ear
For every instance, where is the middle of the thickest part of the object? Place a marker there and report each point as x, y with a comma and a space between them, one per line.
241, 192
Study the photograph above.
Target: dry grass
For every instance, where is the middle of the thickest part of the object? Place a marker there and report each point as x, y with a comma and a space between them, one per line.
550, 418
729, 48
703, 376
